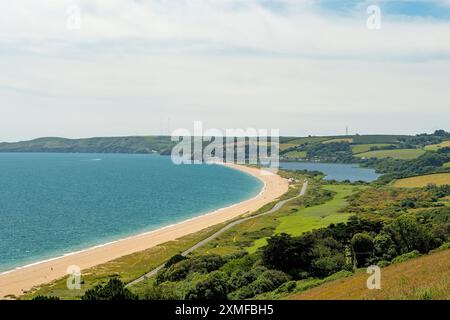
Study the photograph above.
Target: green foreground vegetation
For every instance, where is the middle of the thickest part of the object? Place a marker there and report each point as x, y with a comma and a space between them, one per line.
380, 225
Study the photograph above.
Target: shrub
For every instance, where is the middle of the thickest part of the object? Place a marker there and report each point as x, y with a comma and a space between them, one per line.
409, 235
213, 287
113, 290
423, 294
287, 287
164, 291
180, 270
174, 260
45, 298
362, 246
406, 256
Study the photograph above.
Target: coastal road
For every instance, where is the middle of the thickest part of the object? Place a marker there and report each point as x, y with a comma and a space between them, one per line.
275, 208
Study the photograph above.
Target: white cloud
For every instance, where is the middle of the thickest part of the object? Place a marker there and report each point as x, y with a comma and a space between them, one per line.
227, 62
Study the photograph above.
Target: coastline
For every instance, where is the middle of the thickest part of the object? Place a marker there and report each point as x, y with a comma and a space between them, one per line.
19, 280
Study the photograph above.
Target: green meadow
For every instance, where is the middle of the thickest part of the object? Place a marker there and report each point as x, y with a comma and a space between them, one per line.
299, 141
295, 154
403, 154
360, 148
315, 217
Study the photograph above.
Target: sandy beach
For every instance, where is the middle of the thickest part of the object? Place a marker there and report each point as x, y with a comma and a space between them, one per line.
17, 281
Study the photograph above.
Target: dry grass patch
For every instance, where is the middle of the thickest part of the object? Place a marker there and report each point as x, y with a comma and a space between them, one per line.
421, 181
423, 278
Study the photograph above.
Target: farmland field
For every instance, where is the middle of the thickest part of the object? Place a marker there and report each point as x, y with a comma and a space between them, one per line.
349, 140
403, 154
421, 181
378, 138
420, 278
360, 148
436, 147
296, 154
299, 141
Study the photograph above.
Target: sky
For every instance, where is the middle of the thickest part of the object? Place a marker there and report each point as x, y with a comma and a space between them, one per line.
141, 67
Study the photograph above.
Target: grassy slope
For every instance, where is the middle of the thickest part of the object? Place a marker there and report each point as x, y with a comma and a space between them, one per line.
307, 219
378, 138
349, 140
145, 144
436, 147
294, 142
360, 148
422, 181
426, 276
396, 154
295, 154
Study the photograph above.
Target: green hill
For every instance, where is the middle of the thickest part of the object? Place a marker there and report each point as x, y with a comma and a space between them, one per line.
146, 144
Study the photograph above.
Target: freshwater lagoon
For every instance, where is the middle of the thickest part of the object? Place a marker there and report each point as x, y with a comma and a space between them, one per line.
335, 171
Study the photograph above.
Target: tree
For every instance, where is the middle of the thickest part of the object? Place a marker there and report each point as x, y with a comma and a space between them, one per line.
328, 257
291, 255
409, 235
174, 260
113, 290
384, 247
362, 246
213, 287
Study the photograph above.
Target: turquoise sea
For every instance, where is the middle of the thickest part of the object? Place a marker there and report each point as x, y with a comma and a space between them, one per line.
52, 204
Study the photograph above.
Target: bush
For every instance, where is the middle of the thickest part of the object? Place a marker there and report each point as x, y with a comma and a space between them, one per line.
174, 260
409, 235
113, 290
180, 270
384, 247
383, 263
406, 257
287, 287
213, 287
423, 294
362, 246
164, 291
45, 298
267, 281
243, 293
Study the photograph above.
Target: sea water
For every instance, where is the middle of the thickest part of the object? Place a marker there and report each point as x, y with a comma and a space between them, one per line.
53, 204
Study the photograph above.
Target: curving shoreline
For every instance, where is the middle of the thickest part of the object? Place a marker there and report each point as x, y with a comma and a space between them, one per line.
16, 281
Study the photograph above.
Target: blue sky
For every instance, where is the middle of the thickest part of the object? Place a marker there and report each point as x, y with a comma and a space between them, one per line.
301, 66
411, 8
